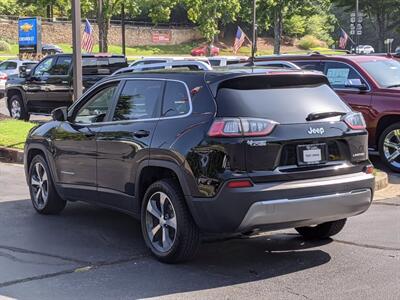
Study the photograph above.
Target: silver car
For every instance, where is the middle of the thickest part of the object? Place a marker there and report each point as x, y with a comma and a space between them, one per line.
10, 68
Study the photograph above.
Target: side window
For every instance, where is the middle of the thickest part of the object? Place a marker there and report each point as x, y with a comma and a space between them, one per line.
61, 67
310, 65
149, 62
215, 62
44, 67
176, 100
96, 108
340, 74
12, 65
3, 65
139, 99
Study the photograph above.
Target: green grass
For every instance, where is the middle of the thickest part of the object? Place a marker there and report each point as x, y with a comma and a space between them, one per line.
183, 49
13, 133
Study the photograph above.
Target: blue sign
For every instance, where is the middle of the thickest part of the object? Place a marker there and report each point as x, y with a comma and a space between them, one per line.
29, 35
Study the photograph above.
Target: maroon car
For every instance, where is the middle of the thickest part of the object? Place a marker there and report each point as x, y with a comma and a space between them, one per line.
205, 50
369, 84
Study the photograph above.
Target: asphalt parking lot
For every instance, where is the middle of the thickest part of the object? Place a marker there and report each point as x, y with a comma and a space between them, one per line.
92, 253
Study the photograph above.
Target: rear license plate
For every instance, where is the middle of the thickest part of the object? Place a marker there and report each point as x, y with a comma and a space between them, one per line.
311, 154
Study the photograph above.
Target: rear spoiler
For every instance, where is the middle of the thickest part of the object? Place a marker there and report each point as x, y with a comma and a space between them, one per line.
268, 80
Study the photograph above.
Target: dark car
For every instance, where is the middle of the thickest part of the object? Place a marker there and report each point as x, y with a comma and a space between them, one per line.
199, 152
49, 84
370, 85
49, 49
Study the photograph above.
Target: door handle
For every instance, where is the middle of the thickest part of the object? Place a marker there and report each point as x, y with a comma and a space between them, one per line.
141, 133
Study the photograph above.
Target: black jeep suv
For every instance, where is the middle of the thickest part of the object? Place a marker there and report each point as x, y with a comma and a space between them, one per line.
206, 152
49, 84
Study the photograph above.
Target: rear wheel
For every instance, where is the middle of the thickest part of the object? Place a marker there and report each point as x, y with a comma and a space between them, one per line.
322, 231
17, 108
44, 196
168, 228
389, 147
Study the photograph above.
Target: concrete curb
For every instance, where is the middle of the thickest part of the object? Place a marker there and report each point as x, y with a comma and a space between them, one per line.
10, 155
381, 180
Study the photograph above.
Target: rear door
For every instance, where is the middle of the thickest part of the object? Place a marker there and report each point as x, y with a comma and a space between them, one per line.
59, 82
124, 142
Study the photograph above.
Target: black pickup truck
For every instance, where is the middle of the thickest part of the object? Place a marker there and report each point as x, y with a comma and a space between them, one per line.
49, 84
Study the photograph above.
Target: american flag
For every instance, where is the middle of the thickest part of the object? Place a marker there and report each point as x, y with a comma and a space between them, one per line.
239, 40
344, 37
88, 37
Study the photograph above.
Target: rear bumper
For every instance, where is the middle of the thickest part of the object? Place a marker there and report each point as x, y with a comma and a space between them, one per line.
279, 205
306, 211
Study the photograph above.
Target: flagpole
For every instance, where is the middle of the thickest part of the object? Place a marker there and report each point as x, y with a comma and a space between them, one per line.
77, 52
254, 43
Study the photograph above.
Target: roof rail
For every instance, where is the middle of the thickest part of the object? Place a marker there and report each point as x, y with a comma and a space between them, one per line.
191, 64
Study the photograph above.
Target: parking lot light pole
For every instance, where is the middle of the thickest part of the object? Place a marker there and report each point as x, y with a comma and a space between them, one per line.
77, 52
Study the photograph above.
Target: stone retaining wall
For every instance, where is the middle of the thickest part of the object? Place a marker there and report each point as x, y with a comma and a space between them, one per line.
57, 33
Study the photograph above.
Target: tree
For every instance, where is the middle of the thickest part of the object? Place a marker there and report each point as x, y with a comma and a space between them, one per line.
105, 10
383, 14
210, 15
10, 7
158, 10
291, 17
48, 8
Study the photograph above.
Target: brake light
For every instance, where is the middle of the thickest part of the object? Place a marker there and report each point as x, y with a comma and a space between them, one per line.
235, 127
3, 76
355, 120
369, 169
240, 184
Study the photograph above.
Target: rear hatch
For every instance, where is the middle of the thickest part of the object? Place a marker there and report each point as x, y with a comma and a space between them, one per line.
293, 126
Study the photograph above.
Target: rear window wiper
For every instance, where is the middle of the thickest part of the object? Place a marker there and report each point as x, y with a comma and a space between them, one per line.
324, 115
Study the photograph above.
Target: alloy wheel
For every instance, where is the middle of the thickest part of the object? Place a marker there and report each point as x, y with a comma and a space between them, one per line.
15, 109
40, 185
391, 148
161, 222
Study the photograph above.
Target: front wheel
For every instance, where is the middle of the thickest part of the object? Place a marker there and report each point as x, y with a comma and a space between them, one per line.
168, 228
17, 108
389, 147
322, 231
44, 196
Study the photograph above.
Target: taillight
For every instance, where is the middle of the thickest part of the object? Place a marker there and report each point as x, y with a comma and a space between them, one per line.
234, 184
355, 120
3, 76
235, 127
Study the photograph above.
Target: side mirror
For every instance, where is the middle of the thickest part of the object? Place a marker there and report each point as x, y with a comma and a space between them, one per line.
24, 72
356, 84
60, 114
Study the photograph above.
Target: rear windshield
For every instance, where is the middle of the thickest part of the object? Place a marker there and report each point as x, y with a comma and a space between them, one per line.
102, 65
285, 105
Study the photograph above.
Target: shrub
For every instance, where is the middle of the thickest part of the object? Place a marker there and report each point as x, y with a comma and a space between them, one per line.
307, 42
4, 46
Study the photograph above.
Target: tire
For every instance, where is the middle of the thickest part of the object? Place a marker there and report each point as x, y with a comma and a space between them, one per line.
322, 231
182, 242
17, 109
44, 197
389, 147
